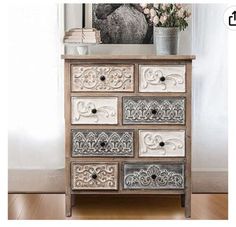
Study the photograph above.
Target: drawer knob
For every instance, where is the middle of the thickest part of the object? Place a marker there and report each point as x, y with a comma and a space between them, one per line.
161, 144
162, 79
154, 112
94, 176
94, 111
102, 78
153, 176
102, 144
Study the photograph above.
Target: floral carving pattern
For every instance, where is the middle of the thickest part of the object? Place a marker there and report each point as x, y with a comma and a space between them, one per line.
102, 143
85, 110
139, 110
154, 77
94, 176
88, 78
153, 143
153, 177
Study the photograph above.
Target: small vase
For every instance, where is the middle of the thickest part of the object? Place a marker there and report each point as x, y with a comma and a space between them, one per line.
166, 40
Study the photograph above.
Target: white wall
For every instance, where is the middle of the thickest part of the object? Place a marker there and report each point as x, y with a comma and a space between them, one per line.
36, 134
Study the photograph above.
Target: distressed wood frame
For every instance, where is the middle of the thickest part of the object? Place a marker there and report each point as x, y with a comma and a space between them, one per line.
135, 60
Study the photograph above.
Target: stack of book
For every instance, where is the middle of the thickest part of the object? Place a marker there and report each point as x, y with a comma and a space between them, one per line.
82, 35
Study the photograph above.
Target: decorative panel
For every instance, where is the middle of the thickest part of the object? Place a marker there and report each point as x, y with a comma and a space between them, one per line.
153, 110
94, 176
102, 78
153, 176
102, 142
93, 110
157, 78
161, 143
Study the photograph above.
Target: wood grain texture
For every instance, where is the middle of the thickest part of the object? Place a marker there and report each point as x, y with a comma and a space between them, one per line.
185, 124
149, 207
131, 57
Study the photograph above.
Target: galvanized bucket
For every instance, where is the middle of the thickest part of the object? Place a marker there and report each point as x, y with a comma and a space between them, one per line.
166, 40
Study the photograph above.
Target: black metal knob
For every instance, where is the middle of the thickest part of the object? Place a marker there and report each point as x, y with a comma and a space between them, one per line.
94, 176
102, 78
162, 79
102, 144
94, 111
153, 176
154, 112
161, 144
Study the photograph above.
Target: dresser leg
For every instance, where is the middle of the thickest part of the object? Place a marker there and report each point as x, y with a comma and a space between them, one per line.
73, 200
68, 205
187, 205
182, 197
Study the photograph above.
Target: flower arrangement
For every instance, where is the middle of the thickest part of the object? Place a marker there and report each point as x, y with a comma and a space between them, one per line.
166, 15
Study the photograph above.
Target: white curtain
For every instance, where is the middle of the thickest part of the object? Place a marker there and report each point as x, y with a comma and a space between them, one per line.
209, 44
36, 134
36, 123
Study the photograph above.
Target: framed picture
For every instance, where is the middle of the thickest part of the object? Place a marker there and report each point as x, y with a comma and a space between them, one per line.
122, 24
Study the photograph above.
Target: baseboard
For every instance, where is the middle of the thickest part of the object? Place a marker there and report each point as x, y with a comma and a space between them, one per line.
52, 181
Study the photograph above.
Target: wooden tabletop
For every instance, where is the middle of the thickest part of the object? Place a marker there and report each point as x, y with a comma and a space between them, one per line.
125, 57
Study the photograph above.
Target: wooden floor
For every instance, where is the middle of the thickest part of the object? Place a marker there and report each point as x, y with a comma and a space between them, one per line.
51, 206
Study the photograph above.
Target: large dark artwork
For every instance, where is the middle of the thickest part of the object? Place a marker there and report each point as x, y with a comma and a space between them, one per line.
122, 24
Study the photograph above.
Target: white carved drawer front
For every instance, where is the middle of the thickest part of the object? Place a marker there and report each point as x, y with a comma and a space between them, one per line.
161, 78
94, 176
161, 143
93, 110
102, 78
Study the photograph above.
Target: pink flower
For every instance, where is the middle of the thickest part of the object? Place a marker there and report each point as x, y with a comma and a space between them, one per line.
153, 12
163, 19
146, 11
180, 13
178, 6
155, 20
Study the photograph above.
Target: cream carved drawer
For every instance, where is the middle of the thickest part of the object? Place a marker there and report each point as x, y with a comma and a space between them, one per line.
158, 78
102, 142
153, 176
94, 176
94, 110
161, 143
153, 110
102, 78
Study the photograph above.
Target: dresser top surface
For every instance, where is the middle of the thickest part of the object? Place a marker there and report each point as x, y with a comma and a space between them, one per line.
128, 57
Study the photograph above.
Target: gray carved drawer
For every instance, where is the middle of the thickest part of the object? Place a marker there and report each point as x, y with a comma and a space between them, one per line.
153, 176
102, 78
153, 110
94, 176
102, 142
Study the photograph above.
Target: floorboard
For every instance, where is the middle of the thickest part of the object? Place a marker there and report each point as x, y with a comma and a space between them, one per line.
52, 206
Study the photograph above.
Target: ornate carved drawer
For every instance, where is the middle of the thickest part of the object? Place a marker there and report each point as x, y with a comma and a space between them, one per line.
94, 110
94, 176
161, 143
128, 126
159, 78
153, 176
102, 78
153, 110
102, 143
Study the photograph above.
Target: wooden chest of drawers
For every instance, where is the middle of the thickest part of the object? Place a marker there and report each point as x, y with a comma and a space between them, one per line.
128, 126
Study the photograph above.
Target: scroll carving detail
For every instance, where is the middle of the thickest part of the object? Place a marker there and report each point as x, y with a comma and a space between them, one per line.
170, 111
115, 143
154, 177
117, 78
83, 176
